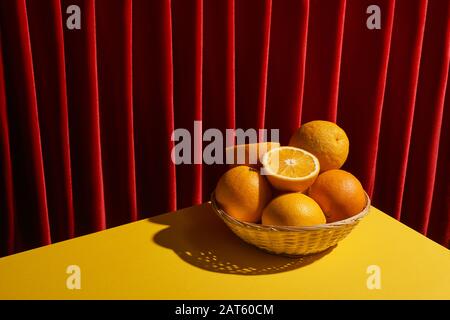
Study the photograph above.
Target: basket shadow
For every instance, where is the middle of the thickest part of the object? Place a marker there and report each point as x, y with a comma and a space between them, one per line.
201, 239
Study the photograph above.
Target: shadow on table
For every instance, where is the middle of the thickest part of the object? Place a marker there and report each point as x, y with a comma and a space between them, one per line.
201, 239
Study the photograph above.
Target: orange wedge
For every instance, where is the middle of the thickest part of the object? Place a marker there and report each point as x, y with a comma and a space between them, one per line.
290, 168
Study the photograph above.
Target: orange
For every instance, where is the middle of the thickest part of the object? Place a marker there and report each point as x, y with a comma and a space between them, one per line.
248, 154
243, 193
339, 194
290, 169
326, 140
293, 209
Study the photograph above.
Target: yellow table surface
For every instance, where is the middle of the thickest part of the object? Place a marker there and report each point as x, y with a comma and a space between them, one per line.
190, 254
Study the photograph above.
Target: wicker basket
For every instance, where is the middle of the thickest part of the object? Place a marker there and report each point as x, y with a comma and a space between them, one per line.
291, 241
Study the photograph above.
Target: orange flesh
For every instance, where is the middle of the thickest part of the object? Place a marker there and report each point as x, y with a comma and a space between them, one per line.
291, 163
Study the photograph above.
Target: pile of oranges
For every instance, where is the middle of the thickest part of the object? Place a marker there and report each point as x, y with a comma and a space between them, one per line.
296, 185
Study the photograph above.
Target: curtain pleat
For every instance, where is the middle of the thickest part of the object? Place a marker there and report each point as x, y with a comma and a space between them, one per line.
153, 106
287, 55
323, 61
253, 18
84, 120
362, 86
399, 103
114, 56
187, 32
439, 222
31, 215
218, 78
47, 44
87, 116
6, 177
423, 155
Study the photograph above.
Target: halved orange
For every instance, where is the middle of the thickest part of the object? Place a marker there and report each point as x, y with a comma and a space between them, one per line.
290, 168
248, 154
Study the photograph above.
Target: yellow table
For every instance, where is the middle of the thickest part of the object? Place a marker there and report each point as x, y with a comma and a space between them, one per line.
190, 254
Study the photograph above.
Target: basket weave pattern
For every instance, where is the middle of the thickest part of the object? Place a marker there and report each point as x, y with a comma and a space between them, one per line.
291, 241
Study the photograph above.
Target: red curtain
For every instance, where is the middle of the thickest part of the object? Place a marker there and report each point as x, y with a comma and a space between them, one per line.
86, 116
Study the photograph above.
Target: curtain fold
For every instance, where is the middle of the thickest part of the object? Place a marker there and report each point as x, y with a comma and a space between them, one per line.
323, 60
31, 220
399, 103
439, 222
7, 224
252, 27
187, 29
50, 82
286, 74
153, 109
84, 120
218, 87
426, 131
87, 116
115, 65
362, 86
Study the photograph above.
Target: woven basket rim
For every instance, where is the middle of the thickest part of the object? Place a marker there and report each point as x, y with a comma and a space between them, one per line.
261, 227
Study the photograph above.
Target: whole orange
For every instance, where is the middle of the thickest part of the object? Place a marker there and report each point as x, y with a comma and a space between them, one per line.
243, 193
293, 209
324, 139
339, 194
